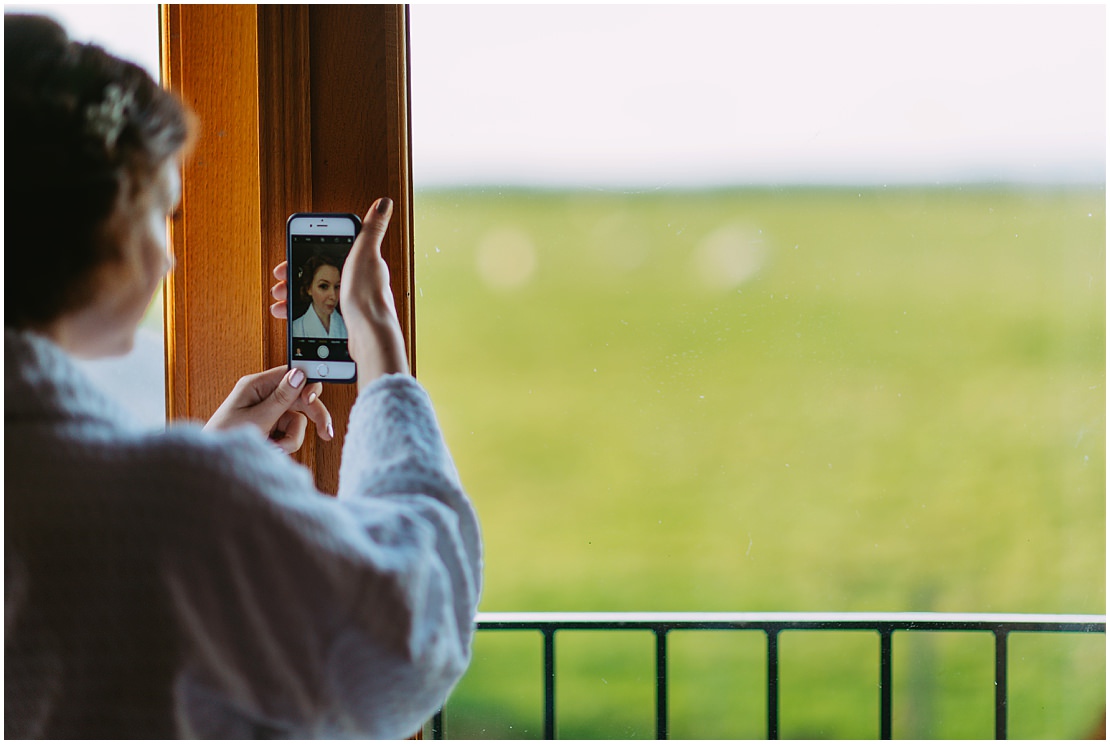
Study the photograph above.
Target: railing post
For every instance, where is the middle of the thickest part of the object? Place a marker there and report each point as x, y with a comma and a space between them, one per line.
1000, 682
549, 683
886, 682
660, 683
437, 725
772, 683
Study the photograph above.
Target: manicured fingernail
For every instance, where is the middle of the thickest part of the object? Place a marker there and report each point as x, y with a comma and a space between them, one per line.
296, 378
312, 398
384, 205
331, 431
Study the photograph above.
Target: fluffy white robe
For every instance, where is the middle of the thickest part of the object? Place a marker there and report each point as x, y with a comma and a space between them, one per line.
196, 584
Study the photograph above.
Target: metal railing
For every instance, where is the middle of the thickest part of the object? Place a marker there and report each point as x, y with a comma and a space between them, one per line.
772, 624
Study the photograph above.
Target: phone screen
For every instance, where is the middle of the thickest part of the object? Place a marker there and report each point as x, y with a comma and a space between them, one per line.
318, 333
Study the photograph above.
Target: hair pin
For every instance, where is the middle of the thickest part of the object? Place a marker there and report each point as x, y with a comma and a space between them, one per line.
106, 120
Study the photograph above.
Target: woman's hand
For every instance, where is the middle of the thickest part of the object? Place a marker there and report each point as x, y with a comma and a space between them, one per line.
373, 330
277, 402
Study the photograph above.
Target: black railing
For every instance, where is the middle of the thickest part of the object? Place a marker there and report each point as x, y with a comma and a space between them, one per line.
772, 624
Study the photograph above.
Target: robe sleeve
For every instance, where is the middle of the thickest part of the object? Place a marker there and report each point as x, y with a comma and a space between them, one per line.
310, 616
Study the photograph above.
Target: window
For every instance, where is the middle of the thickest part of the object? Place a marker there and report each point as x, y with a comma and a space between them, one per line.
741, 308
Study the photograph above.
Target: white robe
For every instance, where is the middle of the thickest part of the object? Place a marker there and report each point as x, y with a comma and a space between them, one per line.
310, 326
196, 584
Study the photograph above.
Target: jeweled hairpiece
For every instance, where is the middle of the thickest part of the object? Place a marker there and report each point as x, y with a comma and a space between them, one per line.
106, 120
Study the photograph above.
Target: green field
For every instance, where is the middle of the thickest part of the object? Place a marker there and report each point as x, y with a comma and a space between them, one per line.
775, 400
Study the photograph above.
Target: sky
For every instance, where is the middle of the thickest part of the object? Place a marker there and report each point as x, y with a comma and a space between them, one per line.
657, 95
653, 96
128, 31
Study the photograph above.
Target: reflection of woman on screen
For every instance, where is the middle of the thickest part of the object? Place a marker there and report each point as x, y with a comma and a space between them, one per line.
320, 284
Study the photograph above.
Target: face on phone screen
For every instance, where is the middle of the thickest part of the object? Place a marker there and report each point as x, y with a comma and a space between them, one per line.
318, 337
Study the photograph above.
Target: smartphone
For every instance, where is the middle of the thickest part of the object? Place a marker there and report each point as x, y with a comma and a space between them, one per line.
317, 245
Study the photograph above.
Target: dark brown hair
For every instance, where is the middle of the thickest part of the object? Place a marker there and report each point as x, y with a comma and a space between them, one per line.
308, 273
79, 124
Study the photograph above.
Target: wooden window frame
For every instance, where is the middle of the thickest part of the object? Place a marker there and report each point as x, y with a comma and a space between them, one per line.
301, 108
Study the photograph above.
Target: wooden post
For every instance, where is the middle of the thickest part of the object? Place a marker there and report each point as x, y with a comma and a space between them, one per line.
302, 108
214, 316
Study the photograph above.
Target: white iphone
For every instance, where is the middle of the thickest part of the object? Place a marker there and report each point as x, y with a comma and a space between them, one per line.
316, 248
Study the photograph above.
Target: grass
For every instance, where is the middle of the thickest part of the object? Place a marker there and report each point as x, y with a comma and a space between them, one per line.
774, 400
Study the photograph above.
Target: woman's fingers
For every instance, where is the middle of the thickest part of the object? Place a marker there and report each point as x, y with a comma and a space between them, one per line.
311, 392
289, 432
316, 411
280, 292
376, 223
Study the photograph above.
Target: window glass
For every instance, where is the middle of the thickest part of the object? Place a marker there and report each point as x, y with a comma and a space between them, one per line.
783, 308
136, 380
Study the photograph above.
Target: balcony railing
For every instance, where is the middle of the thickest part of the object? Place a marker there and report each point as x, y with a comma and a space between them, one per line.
771, 624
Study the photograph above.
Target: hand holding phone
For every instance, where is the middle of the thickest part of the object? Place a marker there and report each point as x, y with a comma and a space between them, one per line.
374, 339
377, 344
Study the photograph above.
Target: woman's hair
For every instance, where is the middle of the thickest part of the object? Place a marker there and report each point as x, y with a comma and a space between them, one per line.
79, 126
308, 273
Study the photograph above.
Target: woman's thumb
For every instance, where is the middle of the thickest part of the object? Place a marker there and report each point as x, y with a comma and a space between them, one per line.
287, 391
376, 223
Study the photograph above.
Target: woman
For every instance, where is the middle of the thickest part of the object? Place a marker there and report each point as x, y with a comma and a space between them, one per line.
194, 583
320, 286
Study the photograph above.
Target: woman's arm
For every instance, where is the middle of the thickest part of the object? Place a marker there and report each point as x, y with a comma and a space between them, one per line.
317, 617
395, 461
351, 616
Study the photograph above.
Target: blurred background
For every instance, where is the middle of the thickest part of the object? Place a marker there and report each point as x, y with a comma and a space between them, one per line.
761, 308
770, 308
659, 96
